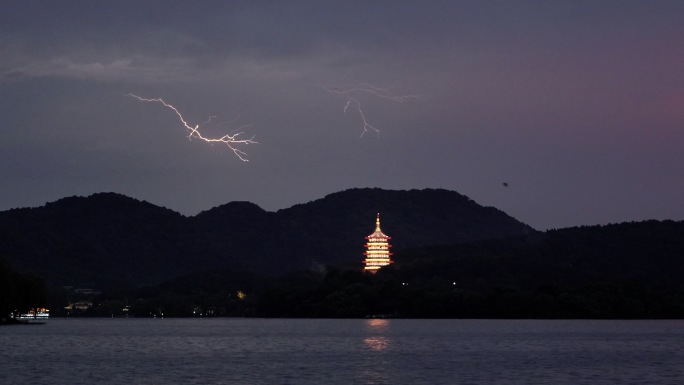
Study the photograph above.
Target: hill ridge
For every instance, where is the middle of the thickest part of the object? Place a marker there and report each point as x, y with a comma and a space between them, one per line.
111, 239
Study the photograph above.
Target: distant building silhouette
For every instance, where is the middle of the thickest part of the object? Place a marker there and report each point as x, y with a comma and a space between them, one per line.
377, 249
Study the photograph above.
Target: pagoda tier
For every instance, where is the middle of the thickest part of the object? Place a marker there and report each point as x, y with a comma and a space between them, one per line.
377, 249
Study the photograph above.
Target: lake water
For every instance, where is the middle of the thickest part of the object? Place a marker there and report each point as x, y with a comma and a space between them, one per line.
315, 351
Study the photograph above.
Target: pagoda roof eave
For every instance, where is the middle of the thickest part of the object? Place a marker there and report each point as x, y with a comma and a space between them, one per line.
378, 234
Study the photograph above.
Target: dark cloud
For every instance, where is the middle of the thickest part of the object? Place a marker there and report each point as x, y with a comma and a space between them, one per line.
576, 105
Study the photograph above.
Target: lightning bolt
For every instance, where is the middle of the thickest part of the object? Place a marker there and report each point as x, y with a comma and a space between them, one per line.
384, 93
230, 140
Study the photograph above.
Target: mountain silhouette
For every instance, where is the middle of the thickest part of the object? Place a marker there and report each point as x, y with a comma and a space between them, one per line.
108, 239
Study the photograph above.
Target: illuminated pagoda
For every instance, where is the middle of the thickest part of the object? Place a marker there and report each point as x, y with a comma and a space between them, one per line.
377, 249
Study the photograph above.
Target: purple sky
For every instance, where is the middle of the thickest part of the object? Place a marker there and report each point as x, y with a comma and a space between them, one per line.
577, 105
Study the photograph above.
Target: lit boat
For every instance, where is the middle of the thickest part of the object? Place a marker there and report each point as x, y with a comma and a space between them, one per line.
40, 313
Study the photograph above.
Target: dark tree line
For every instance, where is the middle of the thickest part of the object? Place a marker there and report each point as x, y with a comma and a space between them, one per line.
18, 292
392, 293
355, 294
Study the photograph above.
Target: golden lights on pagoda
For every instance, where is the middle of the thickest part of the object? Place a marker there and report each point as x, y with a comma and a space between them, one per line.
377, 249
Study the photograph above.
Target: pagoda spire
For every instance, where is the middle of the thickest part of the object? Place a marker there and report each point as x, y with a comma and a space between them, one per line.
377, 223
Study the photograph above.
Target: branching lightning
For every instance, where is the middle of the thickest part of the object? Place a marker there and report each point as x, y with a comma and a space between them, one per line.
231, 140
353, 102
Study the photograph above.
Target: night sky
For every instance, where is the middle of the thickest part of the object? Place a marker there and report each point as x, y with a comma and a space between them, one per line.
560, 113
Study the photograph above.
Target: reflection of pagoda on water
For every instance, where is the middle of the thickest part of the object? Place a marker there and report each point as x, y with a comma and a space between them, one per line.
377, 249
